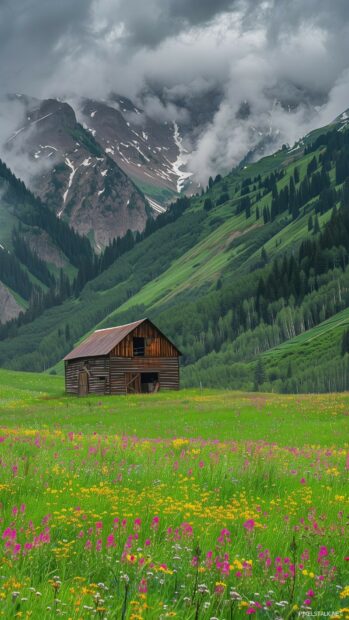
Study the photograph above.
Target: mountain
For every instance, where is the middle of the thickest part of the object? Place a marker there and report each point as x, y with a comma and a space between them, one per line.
74, 175
150, 152
232, 275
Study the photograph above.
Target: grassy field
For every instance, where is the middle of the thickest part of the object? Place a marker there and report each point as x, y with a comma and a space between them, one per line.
196, 505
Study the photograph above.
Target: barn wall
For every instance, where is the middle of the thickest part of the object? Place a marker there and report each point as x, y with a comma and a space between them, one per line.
167, 367
97, 366
156, 344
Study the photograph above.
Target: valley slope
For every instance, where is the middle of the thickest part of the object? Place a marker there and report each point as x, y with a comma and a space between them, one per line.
255, 260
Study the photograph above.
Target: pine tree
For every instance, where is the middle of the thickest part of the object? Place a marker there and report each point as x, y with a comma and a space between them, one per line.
345, 342
259, 374
316, 226
292, 194
67, 332
208, 204
266, 215
264, 256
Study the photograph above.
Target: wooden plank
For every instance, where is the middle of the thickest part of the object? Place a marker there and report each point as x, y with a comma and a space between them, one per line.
157, 345
99, 375
167, 369
83, 383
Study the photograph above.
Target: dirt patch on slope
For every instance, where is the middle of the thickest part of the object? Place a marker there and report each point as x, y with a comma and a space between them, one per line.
9, 308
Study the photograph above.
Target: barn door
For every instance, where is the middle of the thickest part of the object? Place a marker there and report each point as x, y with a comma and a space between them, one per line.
83, 383
132, 382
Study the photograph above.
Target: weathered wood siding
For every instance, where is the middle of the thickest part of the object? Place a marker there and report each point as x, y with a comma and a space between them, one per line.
167, 367
99, 375
156, 345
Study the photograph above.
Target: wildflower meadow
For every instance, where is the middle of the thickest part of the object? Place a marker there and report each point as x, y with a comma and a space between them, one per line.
192, 505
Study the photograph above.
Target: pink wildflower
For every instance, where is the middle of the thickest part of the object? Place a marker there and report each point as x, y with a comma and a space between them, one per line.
142, 588
249, 525
155, 523
110, 541
99, 544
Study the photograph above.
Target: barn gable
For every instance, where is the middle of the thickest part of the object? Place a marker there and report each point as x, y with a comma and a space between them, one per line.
118, 341
136, 357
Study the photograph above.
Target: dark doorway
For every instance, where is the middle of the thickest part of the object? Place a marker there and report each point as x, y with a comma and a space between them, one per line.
150, 382
138, 347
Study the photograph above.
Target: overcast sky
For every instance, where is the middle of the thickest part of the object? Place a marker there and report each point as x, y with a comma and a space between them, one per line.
293, 51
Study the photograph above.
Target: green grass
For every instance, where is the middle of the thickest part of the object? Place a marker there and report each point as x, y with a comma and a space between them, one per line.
156, 506
39, 401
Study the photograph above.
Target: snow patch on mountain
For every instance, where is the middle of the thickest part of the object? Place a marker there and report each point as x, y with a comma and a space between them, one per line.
155, 205
181, 160
70, 181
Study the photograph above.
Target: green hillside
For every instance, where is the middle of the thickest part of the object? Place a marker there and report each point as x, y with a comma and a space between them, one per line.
39, 254
294, 359
259, 258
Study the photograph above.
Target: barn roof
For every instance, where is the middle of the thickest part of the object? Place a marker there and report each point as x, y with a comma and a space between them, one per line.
102, 341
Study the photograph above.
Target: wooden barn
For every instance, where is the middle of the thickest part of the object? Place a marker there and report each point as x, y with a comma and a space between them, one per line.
127, 359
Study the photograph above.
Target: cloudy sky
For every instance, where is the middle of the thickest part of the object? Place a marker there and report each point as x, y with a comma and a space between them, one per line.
289, 59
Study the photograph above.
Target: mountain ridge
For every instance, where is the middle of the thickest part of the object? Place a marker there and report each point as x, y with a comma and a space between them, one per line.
73, 175
204, 289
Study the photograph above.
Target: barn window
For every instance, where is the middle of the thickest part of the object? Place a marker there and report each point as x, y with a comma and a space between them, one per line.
138, 347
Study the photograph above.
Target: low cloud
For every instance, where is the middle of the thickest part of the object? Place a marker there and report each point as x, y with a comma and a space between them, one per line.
193, 61
15, 134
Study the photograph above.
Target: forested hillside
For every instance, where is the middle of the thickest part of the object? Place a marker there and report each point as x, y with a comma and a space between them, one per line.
40, 255
238, 277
